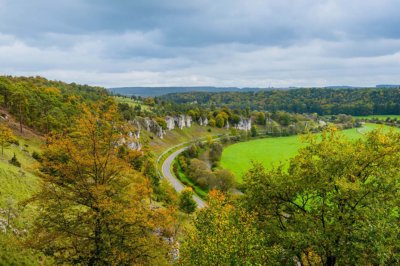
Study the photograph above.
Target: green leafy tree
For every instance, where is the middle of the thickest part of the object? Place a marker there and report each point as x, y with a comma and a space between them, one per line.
19, 101
225, 180
253, 131
186, 202
336, 204
260, 118
224, 234
220, 120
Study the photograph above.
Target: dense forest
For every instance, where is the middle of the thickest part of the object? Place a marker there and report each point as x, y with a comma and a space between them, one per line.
43, 104
324, 101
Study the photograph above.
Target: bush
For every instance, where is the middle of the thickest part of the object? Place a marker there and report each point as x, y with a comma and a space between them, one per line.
186, 201
36, 156
14, 161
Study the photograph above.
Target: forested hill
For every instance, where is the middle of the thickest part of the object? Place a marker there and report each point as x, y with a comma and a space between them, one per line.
45, 105
324, 101
158, 91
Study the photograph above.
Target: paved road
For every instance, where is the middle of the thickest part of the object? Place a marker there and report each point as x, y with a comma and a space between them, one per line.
167, 173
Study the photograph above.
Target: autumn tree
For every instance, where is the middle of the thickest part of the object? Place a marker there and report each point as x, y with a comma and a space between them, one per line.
336, 202
6, 137
224, 234
93, 207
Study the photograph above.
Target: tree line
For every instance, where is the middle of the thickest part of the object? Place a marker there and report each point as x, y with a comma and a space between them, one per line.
323, 101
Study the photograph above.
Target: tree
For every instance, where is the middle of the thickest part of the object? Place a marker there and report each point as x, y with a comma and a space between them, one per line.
253, 131
201, 174
14, 161
19, 102
220, 120
212, 122
224, 234
93, 207
335, 205
260, 118
6, 137
186, 202
215, 153
5, 91
193, 151
225, 180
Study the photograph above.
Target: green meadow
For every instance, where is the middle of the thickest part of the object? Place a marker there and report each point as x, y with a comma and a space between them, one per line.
379, 117
273, 150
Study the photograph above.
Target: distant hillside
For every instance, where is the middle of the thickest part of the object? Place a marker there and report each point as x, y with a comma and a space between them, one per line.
158, 91
45, 105
324, 101
388, 86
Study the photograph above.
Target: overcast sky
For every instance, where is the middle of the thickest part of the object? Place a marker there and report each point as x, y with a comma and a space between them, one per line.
243, 43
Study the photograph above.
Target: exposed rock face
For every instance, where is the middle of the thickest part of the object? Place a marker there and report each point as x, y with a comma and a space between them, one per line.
203, 121
136, 145
321, 123
180, 121
151, 125
136, 132
188, 121
244, 124
170, 122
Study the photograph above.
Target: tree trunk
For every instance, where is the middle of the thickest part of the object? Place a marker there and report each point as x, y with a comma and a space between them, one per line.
20, 118
95, 259
330, 261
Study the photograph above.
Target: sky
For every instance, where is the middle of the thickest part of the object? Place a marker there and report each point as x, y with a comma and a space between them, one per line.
247, 43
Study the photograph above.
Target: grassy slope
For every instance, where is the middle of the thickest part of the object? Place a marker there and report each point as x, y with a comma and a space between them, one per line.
19, 183
271, 151
178, 136
132, 103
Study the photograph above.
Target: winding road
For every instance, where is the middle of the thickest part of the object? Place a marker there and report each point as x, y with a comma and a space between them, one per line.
168, 174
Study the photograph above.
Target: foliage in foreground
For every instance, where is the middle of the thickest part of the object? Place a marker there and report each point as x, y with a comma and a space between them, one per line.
94, 209
226, 235
336, 204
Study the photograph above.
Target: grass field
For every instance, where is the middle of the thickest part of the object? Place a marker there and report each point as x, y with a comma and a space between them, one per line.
18, 183
272, 151
379, 117
132, 103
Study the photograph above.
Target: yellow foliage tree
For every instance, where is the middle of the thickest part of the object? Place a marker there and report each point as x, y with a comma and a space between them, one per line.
6, 136
94, 208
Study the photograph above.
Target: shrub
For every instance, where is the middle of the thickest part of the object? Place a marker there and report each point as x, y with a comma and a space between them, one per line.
14, 161
36, 156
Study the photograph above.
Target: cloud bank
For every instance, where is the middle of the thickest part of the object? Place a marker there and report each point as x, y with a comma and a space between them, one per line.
222, 43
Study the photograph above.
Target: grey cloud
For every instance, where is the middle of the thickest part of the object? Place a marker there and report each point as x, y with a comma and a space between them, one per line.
202, 42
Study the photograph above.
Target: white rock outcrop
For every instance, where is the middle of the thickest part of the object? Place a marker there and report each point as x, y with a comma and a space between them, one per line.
170, 121
244, 124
